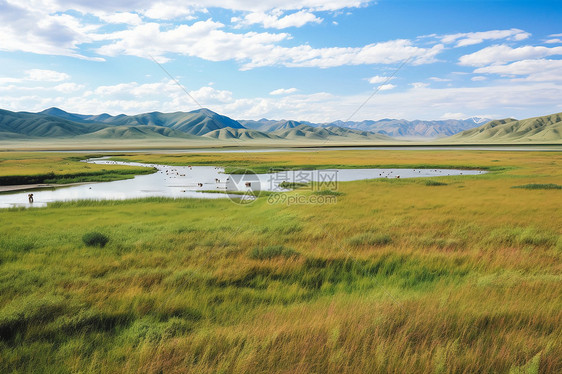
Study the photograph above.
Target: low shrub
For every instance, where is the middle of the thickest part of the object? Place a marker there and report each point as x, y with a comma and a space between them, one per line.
434, 183
95, 239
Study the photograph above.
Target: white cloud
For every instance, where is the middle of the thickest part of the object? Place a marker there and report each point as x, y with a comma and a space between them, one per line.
168, 11
534, 70
121, 17
32, 29
500, 54
46, 27
478, 78
68, 87
210, 96
503, 99
438, 79
379, 79
45, 75
277, 20
283, 91
386, 87
208, 40
471, 38
553, 41
419, 85
235, 5
454, 116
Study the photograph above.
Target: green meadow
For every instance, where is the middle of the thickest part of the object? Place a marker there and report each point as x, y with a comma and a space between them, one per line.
18, 168
459, 274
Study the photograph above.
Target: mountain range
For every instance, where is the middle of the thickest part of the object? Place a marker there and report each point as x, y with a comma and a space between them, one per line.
205, 124
197, 124
390, 127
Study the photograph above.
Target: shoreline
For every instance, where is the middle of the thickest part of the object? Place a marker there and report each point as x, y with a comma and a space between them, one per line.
23, 187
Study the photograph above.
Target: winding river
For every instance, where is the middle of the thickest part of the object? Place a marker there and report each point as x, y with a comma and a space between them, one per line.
203, 182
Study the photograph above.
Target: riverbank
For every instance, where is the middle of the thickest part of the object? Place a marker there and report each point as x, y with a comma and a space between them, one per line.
23, 187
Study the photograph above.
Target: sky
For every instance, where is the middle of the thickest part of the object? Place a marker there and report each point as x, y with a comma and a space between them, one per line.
313, 60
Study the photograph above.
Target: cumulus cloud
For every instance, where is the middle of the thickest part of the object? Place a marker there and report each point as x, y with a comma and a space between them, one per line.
529, 70
168, 11
209, 96
68, 87
277, 20
235, 5
283, 91
209, 41
471, 38
386, 87
120, 17
47, 27
419, 85
31, 29
500, 54
379, 79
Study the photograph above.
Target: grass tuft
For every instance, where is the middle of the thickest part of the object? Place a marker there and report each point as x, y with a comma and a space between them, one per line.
271, 252
328, 193
95, 239
369, 239
292, 185
434, 183
538, 186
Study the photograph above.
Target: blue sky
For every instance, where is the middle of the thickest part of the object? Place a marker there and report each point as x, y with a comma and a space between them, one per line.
293, 59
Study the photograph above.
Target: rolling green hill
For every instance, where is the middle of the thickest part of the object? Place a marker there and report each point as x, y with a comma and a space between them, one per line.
23, 124
137, 132
326, 133
242, 134
545, 129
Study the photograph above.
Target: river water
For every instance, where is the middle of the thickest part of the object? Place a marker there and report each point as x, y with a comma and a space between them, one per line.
198, 181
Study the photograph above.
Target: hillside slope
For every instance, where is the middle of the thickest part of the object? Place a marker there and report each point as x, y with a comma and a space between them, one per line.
137, 132
197, 122
544, 129
242, 134
325, 133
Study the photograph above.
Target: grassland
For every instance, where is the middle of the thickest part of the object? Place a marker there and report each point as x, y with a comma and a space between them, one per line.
398, 276
59, 168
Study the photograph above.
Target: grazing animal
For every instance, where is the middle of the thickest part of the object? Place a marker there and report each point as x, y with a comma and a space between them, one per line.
30, 198
248, 184
199, 184
397, 177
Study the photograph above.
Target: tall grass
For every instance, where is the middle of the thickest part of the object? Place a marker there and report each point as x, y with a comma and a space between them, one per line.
395, 277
